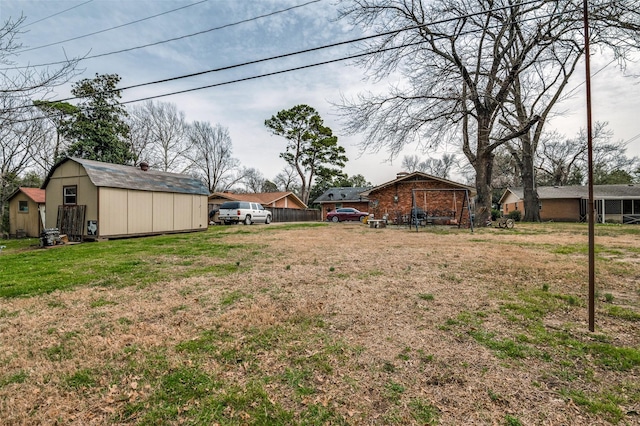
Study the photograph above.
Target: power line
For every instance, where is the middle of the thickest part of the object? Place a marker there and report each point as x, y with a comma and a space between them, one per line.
285, 55
570, 92
110, 29
355, 56
255, 18
632, 139
255, 77
312, 49
56, 14
280, 57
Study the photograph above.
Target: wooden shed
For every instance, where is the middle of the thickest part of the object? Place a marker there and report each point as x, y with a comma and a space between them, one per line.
26, 212
96, 200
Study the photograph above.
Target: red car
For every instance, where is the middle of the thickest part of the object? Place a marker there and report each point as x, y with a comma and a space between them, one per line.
346, 213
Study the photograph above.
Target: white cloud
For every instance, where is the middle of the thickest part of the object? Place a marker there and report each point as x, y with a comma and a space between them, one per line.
243, 107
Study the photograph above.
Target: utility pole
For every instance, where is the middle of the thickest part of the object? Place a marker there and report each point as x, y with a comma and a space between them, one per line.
591, 208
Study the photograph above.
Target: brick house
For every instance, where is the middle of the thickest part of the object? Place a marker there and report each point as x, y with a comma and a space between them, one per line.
339, 197
442, 200
614, 203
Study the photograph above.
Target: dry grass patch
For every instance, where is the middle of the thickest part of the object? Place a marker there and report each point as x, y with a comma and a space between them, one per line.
340, 324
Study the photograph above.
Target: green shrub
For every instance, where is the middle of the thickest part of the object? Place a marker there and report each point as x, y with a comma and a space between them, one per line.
495, 214
516, 215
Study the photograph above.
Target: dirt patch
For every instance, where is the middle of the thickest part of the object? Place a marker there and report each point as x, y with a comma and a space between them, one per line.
428, 316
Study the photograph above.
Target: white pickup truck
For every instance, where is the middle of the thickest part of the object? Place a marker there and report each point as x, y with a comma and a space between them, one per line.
243, 211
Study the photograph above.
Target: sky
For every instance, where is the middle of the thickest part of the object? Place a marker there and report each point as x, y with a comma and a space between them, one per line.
59, 29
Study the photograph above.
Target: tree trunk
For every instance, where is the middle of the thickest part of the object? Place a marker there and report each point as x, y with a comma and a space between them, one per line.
531, 199
483, 167
524, 159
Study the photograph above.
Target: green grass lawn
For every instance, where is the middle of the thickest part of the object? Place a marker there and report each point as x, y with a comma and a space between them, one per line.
28, 270
264, 349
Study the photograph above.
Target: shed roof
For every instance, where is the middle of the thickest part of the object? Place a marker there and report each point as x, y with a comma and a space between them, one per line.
343, 194
602, 192
36, 195
264, 198
128, 177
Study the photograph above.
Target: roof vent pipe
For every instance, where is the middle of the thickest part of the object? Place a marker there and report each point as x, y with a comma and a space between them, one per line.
144, 166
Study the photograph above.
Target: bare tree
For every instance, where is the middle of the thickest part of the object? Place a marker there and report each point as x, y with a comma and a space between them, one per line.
160, 137
253, 180
25, 82
17, 144
558, 161
535, 92
461, 60
211, 155
21, 132
612, 166
505, 171
412, 163
46, 147
439, 167
287, 180
140, 134
564, 161
55, 124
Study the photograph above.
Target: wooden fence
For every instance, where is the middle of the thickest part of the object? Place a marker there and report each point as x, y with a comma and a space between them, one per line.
295, 215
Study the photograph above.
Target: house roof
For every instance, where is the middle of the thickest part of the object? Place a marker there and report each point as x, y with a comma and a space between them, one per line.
420, 176
36, 195
343, 194
601, 192
128, 177
264, 198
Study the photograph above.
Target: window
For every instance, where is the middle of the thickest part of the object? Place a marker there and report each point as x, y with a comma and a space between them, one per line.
627, 206
23, 207
69, 195
613, 206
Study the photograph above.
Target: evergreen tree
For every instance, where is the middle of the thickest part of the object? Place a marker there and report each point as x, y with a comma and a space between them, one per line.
311, 149
98, 130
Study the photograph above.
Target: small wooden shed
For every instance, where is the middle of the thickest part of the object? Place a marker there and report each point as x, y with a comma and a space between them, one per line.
96, 200
26, 212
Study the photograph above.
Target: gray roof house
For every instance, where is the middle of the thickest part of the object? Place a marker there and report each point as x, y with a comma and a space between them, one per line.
338, 197
96, 200
613, 203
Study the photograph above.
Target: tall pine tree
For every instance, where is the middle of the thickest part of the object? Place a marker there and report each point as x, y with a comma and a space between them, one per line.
98, 130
